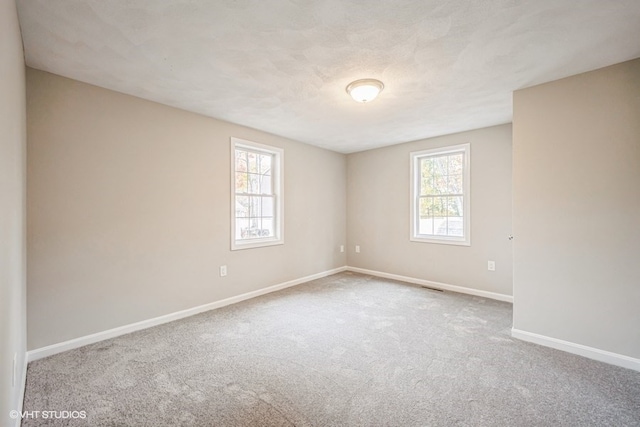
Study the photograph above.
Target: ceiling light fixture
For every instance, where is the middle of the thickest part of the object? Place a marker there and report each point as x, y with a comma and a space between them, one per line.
365, 90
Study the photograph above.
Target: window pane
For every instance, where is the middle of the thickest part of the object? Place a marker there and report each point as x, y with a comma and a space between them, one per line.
425, 205
267, 207
426, 166
265, 164
241, 161
426, 185
254, 183
268, 229
455, 184
439, 184
242, 224
253, 162
438, 206
454, 206
433, 207
241, 182
456, 226
440, 165
251, 229
440, 226
255, 206
456, 162
265, 184
242, 207
425, 226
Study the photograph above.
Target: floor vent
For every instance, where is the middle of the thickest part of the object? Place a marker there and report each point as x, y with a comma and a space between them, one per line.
432, 289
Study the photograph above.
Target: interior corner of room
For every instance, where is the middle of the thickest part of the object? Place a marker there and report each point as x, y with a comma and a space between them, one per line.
115, 214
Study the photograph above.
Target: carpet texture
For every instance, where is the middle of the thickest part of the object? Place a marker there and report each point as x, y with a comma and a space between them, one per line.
345, 350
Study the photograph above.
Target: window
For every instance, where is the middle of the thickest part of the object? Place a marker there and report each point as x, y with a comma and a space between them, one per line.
257, 204
440, 211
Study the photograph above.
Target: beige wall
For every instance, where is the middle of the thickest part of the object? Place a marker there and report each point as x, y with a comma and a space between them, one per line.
378, 214
12, 210
129, 215
577, 209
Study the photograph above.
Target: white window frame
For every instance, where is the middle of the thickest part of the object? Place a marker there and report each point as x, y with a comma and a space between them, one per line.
415, 158
278, 193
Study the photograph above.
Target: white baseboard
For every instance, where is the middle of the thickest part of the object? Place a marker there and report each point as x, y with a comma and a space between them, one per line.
436, 285
50, 350
579, 349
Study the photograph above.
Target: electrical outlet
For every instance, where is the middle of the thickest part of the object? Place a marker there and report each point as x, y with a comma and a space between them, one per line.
341, 248
357, 249
223, 270
491, 266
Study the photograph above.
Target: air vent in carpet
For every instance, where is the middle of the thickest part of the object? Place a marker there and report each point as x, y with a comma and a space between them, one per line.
432, 289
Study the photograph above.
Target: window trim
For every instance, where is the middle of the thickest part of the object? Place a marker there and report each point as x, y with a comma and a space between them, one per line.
415, 157
278, 191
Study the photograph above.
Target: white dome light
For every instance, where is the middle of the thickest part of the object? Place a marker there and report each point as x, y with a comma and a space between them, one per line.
365, 90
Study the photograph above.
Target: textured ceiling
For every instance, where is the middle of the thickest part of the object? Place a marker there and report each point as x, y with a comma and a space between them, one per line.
282, 65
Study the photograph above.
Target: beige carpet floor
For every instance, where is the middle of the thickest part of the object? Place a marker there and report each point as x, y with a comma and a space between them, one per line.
345, 350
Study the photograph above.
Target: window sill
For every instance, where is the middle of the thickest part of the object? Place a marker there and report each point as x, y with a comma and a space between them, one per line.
239, 245
441, 241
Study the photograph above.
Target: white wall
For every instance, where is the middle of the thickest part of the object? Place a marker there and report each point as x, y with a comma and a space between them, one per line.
129, 214
378, 214
12, 210
576, 163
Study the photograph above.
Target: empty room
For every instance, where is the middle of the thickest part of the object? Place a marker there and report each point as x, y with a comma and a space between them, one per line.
319, 213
